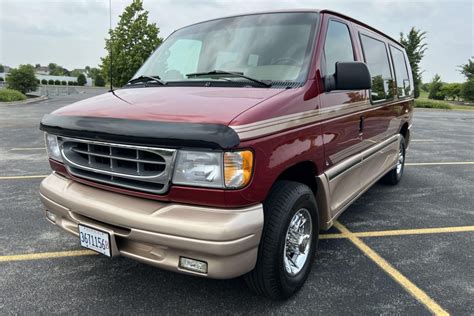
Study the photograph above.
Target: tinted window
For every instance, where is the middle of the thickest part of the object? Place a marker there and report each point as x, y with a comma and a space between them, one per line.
376, 57
338, 46
401, 72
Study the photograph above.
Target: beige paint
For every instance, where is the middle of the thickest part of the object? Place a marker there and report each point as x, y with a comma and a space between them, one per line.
342, 184
159, 233
277, 124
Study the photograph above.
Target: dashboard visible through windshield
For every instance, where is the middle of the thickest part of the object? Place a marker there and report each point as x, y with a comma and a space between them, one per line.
272, 47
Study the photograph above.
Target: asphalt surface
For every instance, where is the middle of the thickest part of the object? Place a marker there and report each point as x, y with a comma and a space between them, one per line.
343, 279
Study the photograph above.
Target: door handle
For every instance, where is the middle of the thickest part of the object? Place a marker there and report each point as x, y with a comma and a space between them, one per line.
361, 124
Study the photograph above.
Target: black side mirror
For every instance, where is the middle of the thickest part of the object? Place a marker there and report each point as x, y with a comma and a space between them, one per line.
352, 75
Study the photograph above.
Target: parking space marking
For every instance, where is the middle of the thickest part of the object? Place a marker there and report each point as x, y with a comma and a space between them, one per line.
47, 255
403, 232
23, 177
27, 149
409, 286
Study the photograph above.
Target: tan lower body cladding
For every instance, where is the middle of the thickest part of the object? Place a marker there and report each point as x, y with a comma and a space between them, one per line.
159, 233
342, 184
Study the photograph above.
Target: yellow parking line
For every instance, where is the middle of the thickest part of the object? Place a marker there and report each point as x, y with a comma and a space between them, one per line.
26, 148
47, 255
417, 231
403, 232
439, 163
409, 286
22, 177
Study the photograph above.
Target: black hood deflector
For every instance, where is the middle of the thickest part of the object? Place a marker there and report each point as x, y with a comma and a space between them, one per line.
142, 132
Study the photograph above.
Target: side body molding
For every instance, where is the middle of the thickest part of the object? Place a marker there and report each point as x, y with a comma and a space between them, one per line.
343, 183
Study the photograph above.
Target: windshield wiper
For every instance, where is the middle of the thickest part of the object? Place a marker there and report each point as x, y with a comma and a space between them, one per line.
223, 73
147, 79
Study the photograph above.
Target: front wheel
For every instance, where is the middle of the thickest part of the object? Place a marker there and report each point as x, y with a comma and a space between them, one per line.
395, 175
289, 241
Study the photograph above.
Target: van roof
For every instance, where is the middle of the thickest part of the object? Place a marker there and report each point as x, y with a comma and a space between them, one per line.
310, 10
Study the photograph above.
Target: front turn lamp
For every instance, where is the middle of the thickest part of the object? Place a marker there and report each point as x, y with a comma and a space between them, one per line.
52, 146
238, 168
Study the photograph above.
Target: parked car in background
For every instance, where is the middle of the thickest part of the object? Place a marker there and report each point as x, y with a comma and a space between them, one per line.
235, 143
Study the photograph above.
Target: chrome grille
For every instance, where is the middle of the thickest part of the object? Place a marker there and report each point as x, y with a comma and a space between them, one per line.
134, 167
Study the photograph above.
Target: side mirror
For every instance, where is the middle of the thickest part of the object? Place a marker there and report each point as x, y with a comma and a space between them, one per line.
352, 75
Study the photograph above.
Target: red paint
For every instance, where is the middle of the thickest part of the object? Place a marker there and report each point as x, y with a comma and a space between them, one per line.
320, 143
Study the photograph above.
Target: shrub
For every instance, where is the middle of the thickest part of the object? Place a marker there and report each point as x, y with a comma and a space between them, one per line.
70, 83
467, 90
63, 83
81, 80
51, 81
57, 82
9, 95
44, 81
1, 79
99, 81
431, 104
22, 79
435, 89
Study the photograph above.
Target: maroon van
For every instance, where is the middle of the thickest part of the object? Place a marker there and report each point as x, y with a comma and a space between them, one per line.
236, 142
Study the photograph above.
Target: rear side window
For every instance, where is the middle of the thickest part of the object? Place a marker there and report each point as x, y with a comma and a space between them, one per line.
376, 58
338, 46
401, 72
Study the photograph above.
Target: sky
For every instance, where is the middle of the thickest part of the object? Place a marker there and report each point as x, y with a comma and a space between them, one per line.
71, 33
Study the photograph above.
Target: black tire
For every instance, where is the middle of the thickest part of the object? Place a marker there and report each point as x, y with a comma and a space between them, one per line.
269, 277
394, 176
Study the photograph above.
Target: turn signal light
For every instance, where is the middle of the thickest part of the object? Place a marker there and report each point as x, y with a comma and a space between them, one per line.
238, 168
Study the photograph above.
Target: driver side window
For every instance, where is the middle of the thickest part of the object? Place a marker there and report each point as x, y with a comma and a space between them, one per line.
338, 46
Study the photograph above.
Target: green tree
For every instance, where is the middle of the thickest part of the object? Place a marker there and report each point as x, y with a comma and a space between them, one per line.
131, 42
415, 48
81, 80
467, 90
99, 81
435, 89
2, 69
451, 90
75, 73
425, 87
23, 79
468, 69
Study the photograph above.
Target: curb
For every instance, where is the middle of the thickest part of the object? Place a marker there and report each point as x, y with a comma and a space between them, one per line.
27, 101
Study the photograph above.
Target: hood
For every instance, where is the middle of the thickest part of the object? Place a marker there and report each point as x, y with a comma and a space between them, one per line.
171, 104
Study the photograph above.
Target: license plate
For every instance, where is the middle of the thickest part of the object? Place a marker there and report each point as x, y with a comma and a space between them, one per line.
94, 239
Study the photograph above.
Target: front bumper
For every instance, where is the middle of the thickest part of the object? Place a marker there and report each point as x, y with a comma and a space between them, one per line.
160, 233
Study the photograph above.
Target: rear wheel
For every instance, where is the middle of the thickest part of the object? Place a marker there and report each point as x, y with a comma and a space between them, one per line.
289, 241
395, 175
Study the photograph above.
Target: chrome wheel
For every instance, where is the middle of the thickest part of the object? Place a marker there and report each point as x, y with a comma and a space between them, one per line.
298, 242
401, 159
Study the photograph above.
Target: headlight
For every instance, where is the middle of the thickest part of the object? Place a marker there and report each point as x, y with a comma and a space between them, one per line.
52, 146
199, 169
213, 169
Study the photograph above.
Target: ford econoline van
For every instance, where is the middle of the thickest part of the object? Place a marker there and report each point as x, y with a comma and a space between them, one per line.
233, 146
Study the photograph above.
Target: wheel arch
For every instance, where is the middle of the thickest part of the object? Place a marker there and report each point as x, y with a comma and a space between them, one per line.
306, 172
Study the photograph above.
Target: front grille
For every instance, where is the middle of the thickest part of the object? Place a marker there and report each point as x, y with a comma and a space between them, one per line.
133, 167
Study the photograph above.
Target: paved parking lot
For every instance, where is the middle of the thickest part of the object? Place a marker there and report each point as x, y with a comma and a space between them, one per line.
406, 250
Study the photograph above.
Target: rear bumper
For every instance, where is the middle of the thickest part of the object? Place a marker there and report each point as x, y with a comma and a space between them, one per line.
159, 233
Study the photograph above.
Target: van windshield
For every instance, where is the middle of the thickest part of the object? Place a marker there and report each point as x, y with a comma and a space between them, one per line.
273, 47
